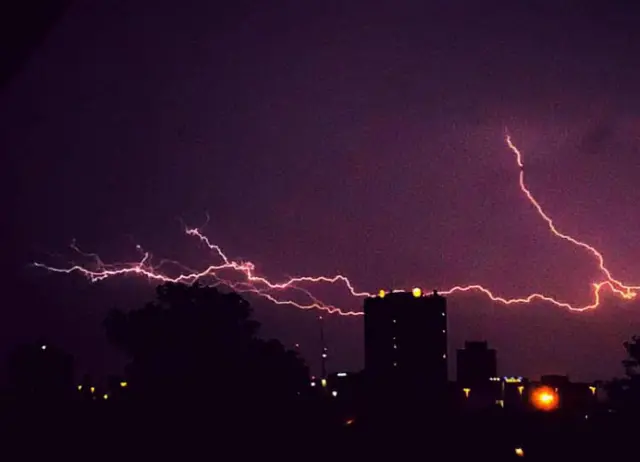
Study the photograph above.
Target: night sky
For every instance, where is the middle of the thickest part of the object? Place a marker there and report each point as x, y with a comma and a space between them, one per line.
360, 137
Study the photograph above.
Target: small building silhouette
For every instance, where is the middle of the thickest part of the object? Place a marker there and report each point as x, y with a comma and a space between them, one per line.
476, 364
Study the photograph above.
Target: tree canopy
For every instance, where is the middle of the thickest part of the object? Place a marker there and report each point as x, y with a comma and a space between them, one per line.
197, 342
626, 392
632, 362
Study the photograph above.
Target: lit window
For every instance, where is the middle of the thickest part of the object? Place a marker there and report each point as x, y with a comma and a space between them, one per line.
324, 382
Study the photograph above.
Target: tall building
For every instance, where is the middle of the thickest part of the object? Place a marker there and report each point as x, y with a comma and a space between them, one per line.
406, 342
476, 364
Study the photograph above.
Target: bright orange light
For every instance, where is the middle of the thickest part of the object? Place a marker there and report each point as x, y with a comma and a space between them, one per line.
519, 452
545, 399
417, 292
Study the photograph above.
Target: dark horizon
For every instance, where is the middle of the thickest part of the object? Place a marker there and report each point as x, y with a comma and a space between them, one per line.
363, 139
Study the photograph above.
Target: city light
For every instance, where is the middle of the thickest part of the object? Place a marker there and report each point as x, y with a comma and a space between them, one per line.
417, 292
519, 452
593, 390
545, 399
323, 382
124, 384
382, 293
79, 387
334, 393
466, 392
105, 396
520, 389
43, 347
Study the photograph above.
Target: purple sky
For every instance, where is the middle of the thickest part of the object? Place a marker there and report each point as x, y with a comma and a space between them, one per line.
360, 139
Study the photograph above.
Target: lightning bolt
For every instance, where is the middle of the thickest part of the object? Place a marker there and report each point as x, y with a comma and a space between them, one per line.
228, 271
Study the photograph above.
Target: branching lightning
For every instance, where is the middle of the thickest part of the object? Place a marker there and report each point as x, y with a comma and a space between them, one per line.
241, 276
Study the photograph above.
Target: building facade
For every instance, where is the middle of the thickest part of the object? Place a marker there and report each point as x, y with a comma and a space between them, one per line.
476, 364
406, 343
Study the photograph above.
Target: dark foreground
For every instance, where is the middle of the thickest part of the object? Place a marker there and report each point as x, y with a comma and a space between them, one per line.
122, 432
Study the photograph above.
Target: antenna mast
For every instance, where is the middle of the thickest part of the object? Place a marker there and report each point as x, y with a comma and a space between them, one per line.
324, 348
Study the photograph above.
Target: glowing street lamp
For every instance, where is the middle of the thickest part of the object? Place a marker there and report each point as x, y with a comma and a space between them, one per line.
545, 399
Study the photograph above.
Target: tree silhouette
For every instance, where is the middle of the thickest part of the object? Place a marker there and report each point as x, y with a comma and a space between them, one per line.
40, 372
197, 343
626, 391
632, 363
